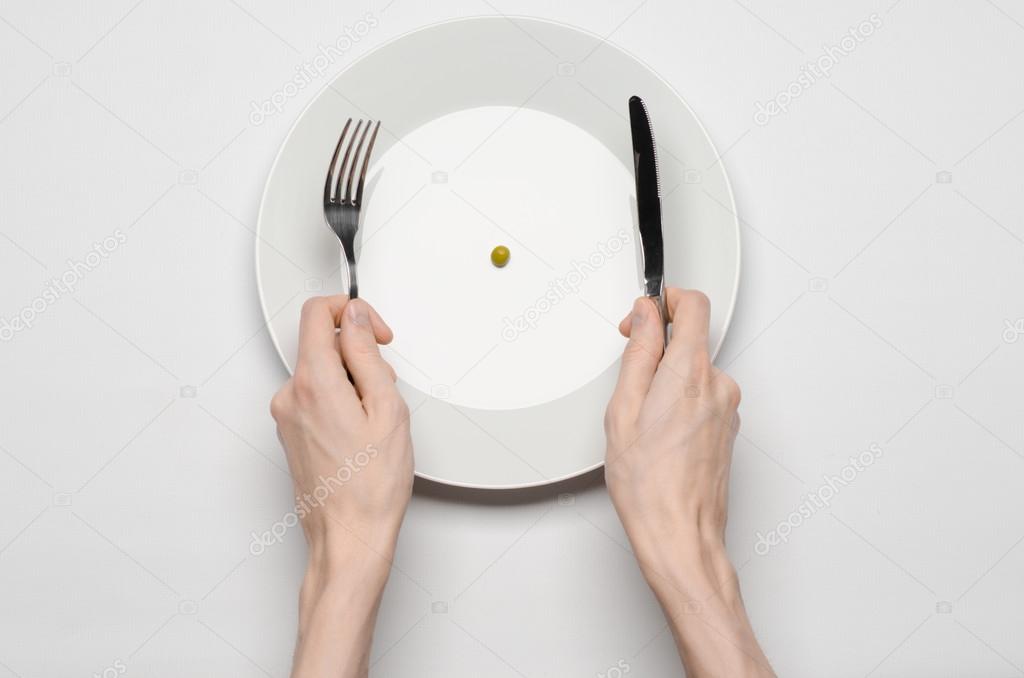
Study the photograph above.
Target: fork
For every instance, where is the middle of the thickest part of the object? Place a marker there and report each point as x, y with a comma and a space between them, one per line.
341, 208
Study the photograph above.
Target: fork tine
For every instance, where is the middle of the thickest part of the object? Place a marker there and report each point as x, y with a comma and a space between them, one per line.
342, 171
330, 183
355, 161
366, 163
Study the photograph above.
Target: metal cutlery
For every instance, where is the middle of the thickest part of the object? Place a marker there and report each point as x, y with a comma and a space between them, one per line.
341, 206
648, 205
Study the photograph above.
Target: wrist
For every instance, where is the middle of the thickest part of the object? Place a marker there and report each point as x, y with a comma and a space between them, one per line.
686, 567
344, 554
348, 594
697, 587
677, 529
345, 569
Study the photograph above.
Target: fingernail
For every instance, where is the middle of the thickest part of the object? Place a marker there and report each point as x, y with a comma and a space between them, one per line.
357, 313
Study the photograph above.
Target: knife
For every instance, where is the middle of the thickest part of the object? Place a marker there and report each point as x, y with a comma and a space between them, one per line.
648, 205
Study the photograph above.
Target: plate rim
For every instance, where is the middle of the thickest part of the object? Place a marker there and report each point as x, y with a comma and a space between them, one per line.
602, 41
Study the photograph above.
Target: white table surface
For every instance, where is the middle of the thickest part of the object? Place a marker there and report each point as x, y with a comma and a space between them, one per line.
136, 449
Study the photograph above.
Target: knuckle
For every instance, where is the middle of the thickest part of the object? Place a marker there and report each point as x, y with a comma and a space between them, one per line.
312, 305
616, 419
366, 351
367, 364
730, 391
695, 366
691, 302
360, 344
304, 384
281, 403
697, 299
388, 404
398, 407
610, 416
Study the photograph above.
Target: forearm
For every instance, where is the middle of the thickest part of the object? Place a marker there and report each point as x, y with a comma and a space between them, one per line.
340, 405
338, 605
697, 588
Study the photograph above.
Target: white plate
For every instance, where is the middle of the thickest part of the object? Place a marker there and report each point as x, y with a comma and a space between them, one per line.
498, 131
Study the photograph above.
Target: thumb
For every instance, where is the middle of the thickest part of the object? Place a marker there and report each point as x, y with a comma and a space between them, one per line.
361, 356
642, 354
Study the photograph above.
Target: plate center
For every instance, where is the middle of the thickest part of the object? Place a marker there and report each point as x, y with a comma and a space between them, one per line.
442, 198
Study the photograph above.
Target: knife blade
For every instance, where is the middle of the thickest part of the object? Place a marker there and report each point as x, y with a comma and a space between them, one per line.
648, 205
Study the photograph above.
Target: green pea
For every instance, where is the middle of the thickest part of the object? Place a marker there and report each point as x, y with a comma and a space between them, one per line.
499, 256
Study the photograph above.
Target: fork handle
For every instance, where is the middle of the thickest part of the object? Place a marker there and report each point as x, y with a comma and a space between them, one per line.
353, 285
348, 244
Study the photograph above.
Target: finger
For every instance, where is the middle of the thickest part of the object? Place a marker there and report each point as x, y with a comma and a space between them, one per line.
626, 325
381, 330
641, 356
686, 365
320, 317
690, 313
319, 369
359, 351
394, 375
